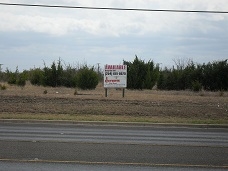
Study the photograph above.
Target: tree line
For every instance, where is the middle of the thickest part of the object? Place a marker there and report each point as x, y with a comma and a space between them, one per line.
212, 76
56, 75
185, 75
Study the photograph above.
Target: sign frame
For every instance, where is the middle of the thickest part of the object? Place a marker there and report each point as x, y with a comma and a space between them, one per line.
115, 76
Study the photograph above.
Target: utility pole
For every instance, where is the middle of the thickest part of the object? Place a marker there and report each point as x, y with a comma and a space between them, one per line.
1, 68
98, 68
1, 72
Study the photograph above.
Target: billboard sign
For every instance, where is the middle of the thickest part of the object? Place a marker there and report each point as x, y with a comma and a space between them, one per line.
115, 76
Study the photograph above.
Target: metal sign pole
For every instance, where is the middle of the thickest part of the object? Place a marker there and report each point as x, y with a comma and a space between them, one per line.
106, 92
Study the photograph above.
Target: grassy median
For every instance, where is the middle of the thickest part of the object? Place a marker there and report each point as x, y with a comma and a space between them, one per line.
149, 106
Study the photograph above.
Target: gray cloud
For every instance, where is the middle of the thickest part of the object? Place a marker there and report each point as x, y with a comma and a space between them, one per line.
30, 35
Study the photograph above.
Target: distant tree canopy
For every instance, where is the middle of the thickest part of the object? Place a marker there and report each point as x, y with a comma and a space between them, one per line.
140, 75
211, 76
56, 75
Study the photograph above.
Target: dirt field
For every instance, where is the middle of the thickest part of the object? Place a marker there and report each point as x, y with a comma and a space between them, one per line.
147, 105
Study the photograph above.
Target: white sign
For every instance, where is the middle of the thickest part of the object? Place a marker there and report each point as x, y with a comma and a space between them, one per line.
115, 76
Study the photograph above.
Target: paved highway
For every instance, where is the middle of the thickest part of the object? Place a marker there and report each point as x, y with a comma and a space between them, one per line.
112, 147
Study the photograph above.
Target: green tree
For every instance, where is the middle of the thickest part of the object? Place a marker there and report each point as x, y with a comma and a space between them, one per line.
53, 76
141, 75
151, 76
87, 78
36, 76
21, 79
59, 74
215, 76
163, 80
12, 76
69, 77
47, 78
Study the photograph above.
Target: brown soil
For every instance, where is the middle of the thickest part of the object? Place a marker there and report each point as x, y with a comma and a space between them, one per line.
150, 103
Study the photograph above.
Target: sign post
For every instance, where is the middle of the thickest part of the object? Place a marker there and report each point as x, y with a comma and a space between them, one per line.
123, 92
106, 92
115, 76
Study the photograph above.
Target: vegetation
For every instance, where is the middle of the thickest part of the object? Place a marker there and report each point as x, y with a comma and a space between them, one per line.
185, 75
87, 78
137, 106
16, 77
36, 76
141, 74
110, 118
55, 76
2, 87
211, 76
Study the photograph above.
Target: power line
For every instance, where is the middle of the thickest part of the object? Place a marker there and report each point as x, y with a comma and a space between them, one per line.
116, 9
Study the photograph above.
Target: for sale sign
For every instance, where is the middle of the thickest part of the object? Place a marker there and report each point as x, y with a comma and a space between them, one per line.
115, 76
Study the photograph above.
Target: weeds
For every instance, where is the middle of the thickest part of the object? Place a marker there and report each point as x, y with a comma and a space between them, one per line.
221, 93
2, 87
196, 86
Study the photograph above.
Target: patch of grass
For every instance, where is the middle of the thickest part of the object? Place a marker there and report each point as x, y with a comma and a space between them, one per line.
75, 92
221, 93
146, 106
109, 118
2, 87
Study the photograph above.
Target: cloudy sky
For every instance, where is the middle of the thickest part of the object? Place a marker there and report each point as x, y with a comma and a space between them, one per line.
30, 36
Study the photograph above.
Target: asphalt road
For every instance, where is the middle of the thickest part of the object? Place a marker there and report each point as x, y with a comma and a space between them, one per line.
112, 147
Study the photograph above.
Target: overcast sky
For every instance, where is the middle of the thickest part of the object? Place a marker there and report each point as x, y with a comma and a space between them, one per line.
30, 36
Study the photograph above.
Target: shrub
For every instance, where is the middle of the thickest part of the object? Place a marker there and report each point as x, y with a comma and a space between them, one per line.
12, 76
12, 79
196, 86
75, 92
221, 93
141, 74
87, 78
36, 76
53, 76
21, 80
16, 77
2, 87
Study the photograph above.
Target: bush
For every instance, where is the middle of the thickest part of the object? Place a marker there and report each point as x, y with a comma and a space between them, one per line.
12, 79
196, 86
141, 74
69, 77
53, 76
221, 93
36, 77
87, 78
16, 77
12, 76
2, 87
21, 80
75, 92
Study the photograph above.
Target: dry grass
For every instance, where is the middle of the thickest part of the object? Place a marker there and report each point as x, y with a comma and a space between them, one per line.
91, 105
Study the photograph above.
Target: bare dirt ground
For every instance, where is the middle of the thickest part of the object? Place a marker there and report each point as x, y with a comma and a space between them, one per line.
207, 106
